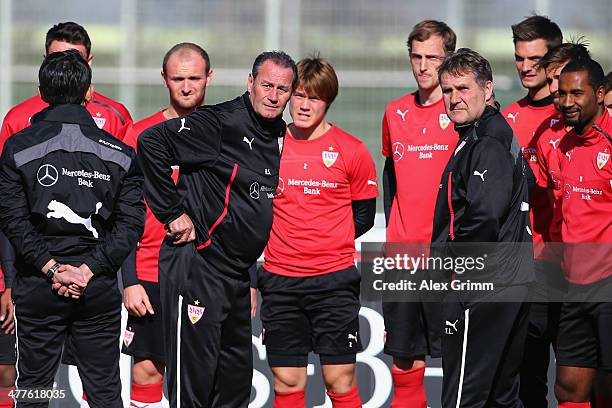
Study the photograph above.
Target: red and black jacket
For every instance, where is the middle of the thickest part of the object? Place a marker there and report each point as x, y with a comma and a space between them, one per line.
229, 159
483, 198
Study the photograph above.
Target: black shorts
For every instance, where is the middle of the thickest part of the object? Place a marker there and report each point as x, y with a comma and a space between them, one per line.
413, 329
318, 313
143, 336
585, 335
7, 349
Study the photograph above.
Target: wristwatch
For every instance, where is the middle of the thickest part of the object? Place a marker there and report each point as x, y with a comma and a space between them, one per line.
51, 272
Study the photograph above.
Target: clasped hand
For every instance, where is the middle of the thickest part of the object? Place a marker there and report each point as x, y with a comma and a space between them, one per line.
70, 281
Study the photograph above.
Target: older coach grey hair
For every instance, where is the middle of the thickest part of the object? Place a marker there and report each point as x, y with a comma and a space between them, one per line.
464, 61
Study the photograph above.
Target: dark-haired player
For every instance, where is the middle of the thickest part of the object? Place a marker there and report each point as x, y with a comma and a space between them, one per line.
108, 114
72, 209
585, 339
533, 38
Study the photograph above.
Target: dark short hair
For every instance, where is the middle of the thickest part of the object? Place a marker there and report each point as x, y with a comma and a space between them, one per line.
537, 28
595, 72
609, 82
427, 28
279, 58
562, 54
64, 77
69, 32
318, 78
186, 46
464, 61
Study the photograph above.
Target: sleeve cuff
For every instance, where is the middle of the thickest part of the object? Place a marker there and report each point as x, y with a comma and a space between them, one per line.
253, 275
94, 267
42, 260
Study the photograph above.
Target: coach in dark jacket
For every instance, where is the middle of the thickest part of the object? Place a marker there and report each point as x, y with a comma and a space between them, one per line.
218, 217
483, 199
72, 208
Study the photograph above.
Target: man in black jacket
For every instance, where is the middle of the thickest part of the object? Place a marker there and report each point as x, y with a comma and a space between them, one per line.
483, 199
218, 218
72, 208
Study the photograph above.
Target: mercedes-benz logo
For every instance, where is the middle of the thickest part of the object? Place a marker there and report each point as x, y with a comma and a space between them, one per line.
398, 151
254, 190
567, 190
47, 175
281, 187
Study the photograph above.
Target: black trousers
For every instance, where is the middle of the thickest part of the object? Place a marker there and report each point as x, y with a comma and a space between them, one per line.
482, 350
44, 319
207, 330
543, 326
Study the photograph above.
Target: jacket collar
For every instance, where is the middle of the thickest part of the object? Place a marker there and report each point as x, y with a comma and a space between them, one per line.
65, 113
271, 127
488, 113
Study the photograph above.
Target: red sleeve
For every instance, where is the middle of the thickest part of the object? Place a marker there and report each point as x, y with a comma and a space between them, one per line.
386, 139
543, 178
1, 280
9, 128
131, 136
123, 130
362, 175
124, 112
4, 133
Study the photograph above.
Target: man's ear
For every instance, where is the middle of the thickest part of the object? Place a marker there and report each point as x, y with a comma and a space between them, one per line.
250, 82
600, 94
164, 78
89, 93
488, 88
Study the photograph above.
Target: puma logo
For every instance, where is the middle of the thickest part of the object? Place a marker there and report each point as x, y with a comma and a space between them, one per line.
513, 116
479, 174
554, 143
60, 210
447, 330
402, 114
352, 338
249, 142
183, 127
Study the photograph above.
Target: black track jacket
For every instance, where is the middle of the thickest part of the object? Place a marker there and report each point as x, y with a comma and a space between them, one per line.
484, 198
70, 191
229, 159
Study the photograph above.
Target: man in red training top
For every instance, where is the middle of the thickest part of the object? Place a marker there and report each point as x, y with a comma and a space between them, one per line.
608, 98
532, 38
585, 337
186, 73
417, 140
548, 136
326, 197
109, 115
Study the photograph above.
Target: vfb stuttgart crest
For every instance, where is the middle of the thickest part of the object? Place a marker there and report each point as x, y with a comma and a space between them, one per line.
602, 159
444, 121
100, 121
195, 312
128, 337
329, 157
